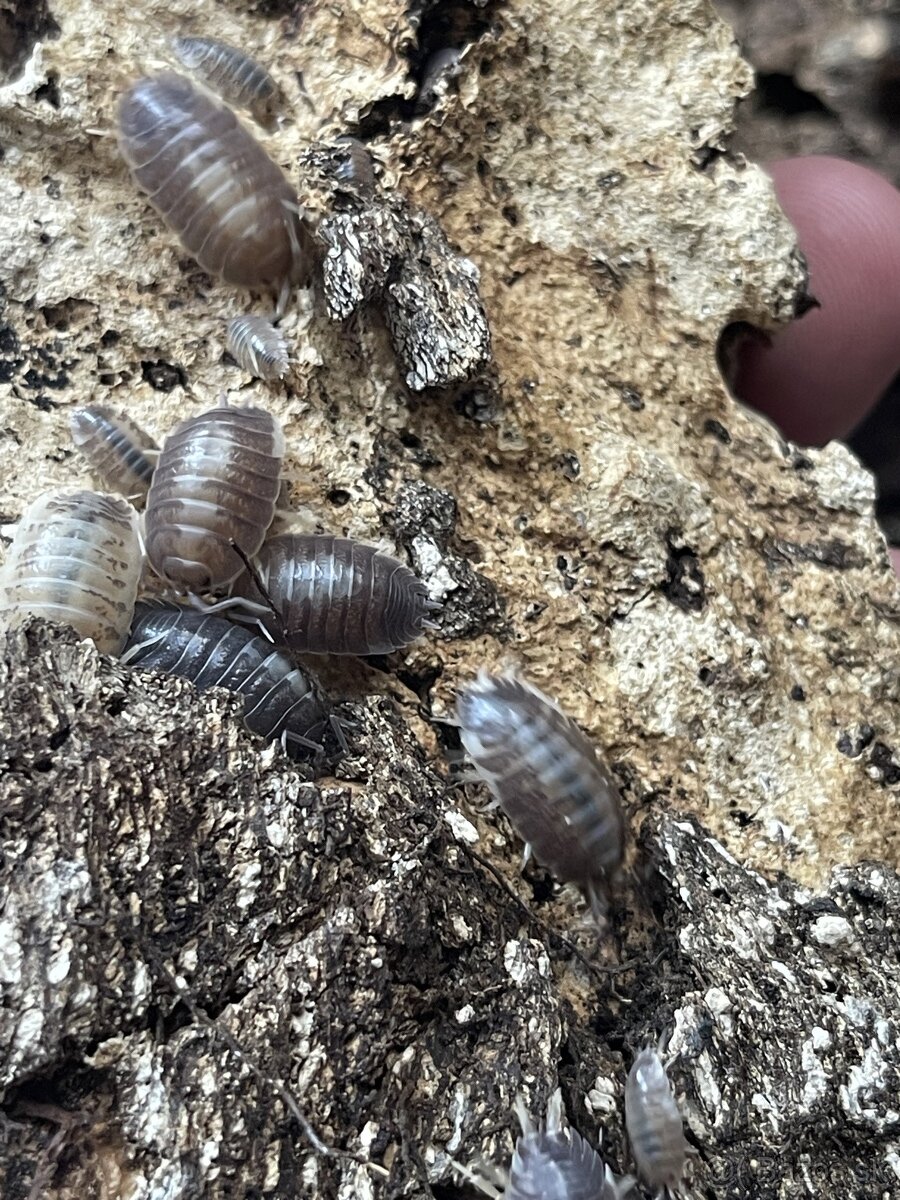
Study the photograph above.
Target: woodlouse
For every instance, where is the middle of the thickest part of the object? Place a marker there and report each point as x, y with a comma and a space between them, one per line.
213, 183
76, 559
546, 776
116, 449
356, 169
335, 595
214, 489
257, 346
552, 1161
236, 77
280, 701
654, 1124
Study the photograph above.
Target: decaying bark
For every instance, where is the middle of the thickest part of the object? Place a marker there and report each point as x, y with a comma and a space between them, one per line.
226, 975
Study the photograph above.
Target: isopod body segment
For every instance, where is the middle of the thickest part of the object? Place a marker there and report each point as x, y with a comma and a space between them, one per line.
257, 346
280, 701
654, 1124
213, 183
76, 560
116, 448
233, 74
336, 595
546, 776
216, 483
552, 1161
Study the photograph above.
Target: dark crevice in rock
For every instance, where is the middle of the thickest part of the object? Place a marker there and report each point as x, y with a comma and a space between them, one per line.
22, 25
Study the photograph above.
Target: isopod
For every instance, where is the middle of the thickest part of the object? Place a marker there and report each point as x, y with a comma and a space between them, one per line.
213, 496
545, 775
280, 701
213, 184
76, 560
654, 1124
355, 170
552, 1161
335, 595
116, 449
233, 74
257, 346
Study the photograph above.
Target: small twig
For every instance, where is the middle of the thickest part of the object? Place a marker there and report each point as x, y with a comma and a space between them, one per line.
279, 1088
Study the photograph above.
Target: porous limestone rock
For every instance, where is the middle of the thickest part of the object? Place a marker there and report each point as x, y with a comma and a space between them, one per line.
222, 977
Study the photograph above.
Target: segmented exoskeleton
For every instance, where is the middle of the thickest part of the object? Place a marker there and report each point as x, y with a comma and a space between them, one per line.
256, 345
76, 559
654, 1124
337, 596
280, 701
546, 776
233, 74
213, 183
118, 451
551, 1161
213, 496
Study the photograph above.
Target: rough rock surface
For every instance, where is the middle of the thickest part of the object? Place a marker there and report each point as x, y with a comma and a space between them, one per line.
202, 948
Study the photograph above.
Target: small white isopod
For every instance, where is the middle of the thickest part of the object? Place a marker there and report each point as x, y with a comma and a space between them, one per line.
551, 1161
257, 346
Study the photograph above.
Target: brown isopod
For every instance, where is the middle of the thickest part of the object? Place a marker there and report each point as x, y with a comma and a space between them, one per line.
233, 75
337, 596
213, 496
213, 184
118, 451
546, 776
76, 559
257, 346
654, 1124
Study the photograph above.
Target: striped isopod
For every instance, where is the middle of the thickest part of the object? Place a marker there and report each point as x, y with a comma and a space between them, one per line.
257, 346
355, 169
116, 448
337, 596
76, 559
552, 1161
654, 1123
545, 775
233, 74
213, 183
280, 701
213, 496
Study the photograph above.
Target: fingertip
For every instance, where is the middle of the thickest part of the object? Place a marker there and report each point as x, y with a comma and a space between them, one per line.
819, 376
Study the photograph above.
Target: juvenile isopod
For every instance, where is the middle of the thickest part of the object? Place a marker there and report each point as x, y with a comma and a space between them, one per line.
545, 775
76, 560
257, 346
116, 448
654, 1124
213, 183
214, 489
355, 169
280, 701
337, 596
233, 74
552, 1161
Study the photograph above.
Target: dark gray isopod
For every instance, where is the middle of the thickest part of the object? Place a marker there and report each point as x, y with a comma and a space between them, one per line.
280, 701
116, 449
552, 1161
338, 596
213, 183
654, 1124
355, 171
546, 776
